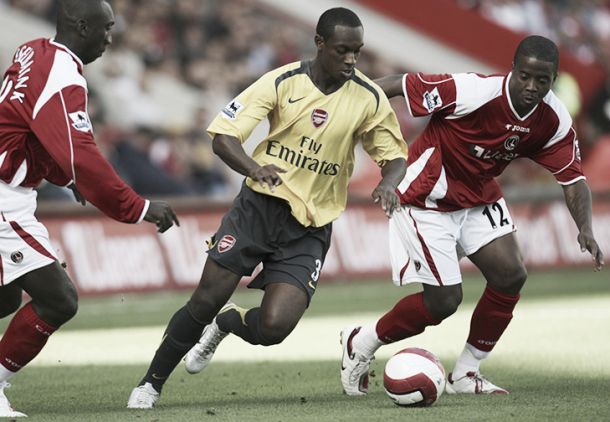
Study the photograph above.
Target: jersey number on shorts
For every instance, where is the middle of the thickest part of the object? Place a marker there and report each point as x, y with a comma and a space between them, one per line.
498, 209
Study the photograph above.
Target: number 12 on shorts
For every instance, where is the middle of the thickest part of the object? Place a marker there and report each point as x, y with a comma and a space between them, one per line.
495, 209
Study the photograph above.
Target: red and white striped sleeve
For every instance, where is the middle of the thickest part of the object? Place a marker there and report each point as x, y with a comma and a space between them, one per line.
61, 123
561, 154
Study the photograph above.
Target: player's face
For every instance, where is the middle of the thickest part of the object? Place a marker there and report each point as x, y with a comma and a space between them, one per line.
339, 53
531, 80
100, 24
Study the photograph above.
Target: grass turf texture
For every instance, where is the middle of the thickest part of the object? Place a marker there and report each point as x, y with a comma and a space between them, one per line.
308, 391
133, 310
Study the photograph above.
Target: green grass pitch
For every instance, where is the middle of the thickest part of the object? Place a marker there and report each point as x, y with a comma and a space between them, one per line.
310, 390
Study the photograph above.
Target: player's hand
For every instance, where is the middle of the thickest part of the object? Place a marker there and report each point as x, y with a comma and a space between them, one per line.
77, 195
162, 215
386, 194
587, 243
268, 175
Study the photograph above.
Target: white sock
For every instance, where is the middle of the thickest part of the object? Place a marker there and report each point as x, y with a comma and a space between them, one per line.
5, 374
366, 341
469, 361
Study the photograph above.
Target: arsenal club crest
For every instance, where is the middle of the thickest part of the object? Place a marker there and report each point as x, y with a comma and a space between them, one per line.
511, 142
226, 243
319, 117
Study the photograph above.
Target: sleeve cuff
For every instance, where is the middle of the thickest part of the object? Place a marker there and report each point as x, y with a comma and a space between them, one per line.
144, 211
570, 182
406, 94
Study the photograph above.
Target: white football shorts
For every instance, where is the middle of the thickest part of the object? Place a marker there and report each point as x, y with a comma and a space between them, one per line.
24, 247
426, 245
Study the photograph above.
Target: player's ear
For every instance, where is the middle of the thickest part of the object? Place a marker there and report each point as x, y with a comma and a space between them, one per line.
82, 27
319, 40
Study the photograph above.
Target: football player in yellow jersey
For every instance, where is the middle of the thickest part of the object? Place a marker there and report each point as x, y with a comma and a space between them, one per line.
296, 185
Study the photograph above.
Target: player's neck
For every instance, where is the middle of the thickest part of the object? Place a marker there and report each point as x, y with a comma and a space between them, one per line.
68, 42
322, 80
522, 111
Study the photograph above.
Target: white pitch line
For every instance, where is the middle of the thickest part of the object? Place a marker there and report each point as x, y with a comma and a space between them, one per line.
564, 336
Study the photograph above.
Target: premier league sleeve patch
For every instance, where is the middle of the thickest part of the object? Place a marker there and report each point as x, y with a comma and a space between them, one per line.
80, 121
432, 100
232, 109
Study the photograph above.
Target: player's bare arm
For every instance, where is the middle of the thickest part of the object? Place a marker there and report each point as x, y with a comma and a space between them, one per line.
161, 214
230, 150
578, 199
393, 172
391, 85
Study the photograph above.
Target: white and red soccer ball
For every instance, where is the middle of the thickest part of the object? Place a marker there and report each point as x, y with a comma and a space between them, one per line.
414, 377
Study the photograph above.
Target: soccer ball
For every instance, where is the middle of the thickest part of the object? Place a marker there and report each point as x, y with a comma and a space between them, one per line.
414, 377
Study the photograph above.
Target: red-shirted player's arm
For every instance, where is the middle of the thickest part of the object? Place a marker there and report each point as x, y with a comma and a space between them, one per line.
391, 85
427, 94
62, 126
578, 200
562, 158
57, 176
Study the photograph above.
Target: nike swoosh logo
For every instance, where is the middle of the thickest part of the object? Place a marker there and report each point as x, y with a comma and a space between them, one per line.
313, 287
348, 347
157, 377
291, 101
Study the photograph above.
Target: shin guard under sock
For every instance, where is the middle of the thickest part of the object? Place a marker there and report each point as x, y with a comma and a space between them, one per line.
182, 332
407, 318
490, 318
24, 338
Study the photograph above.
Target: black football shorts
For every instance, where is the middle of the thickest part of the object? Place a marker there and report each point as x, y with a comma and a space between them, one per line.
260, 228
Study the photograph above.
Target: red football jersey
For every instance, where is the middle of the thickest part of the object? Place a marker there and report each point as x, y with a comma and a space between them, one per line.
45, 132
473, 134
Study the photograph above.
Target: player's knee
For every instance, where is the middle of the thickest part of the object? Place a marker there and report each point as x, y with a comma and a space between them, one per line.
203, 307
9, 305
68, 307
443, 306
517, 278
511, 281
62, 308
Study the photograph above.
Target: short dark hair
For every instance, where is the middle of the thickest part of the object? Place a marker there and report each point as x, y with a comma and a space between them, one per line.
336, 16
539, 47
69, 11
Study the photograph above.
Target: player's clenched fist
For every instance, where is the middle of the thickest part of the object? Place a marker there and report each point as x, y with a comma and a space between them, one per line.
162, 215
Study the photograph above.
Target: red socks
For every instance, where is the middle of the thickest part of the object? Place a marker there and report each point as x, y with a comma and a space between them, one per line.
407, 318
490, 318
24, 338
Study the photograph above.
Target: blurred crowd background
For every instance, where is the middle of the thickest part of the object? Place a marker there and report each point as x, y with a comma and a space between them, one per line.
175, 63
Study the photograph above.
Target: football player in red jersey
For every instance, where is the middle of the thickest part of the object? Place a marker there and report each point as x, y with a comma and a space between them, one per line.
45, 133
453, 207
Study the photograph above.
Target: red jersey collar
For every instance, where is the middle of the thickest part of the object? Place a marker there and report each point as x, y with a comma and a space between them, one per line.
67, 50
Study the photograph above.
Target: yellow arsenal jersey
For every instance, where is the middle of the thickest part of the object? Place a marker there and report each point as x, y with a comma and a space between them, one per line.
312, 136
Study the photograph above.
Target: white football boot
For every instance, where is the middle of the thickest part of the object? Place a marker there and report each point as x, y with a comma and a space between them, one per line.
472, 383
200, 355
354, 365
143, 397
6, 411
